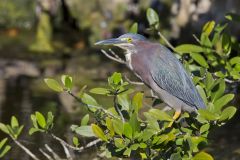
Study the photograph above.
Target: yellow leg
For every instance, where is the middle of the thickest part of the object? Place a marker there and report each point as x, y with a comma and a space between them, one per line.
176, 115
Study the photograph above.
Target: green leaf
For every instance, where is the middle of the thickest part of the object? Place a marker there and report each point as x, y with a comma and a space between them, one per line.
233, 17
118, 126
207, 115
221, 88
188, 48
221, 102
127, 131
202, 93
98, 132
50, 118
102, 91
14, 122
134, 28
67, 81
33, 130
228, 113
34, 121
3, 141
127, 152
87, 99
4, 128
135, 125
160, 115
137, 101
226, 43
53, 84
75, 141
204, 128
123, 100
176, 156
208, 27
199, 59
234, 60
203, 156
40, 119
85, 120
116, 78
84, 131
4, 151
109, 125
152, 18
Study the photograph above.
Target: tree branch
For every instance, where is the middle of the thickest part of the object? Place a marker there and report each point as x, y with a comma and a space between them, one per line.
26, 150
132, 82
166, 41
115, 58
52, 152
46, 155
79, 149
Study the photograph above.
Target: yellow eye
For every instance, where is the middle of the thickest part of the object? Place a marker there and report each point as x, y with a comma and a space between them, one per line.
129, 40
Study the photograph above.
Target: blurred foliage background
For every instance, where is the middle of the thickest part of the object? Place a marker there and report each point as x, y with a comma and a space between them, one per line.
46, 38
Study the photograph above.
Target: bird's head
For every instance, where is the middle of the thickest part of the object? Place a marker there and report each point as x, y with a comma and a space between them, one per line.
128, 41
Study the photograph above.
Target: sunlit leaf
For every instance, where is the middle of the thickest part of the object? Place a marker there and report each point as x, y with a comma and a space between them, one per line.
85, 120
208, 27
98, 132
228, 113
53, 84
234, 60
110, 126
203, 156
221, 102
199, 59
67, 81
87, 99
14, 122
202, 93
127, 131
40, 119
134, 28
152, 17
207, 115
160, 115
233, 17
137, 101
4, 128
102, 91
75, 141
84, 131
188, 48
118, 126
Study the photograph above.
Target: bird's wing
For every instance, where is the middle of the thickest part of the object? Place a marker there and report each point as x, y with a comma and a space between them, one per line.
169, 74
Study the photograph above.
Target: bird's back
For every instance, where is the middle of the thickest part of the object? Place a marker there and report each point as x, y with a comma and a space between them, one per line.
159, 63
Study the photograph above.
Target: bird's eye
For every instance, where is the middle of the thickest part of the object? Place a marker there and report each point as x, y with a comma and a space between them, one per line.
129, 40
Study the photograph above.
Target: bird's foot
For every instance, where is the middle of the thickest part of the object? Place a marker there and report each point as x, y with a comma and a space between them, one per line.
175, 117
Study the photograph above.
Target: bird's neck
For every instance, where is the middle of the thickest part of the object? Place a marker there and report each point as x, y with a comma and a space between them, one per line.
128, 57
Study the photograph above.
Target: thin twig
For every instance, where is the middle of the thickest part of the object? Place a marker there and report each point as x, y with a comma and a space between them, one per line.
68, 155
132, 82
52, 152
195, 37
117, 108
166, 41
26, 150
91, 106
113, 58
79, 149
46, 155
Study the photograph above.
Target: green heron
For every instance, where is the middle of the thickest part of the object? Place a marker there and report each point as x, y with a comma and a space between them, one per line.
160, 70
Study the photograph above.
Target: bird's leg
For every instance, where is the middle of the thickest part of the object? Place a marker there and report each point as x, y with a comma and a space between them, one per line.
175, 117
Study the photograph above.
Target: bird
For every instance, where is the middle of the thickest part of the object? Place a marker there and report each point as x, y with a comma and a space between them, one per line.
158, 68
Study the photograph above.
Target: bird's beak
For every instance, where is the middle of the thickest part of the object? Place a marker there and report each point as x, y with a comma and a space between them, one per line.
113, 41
